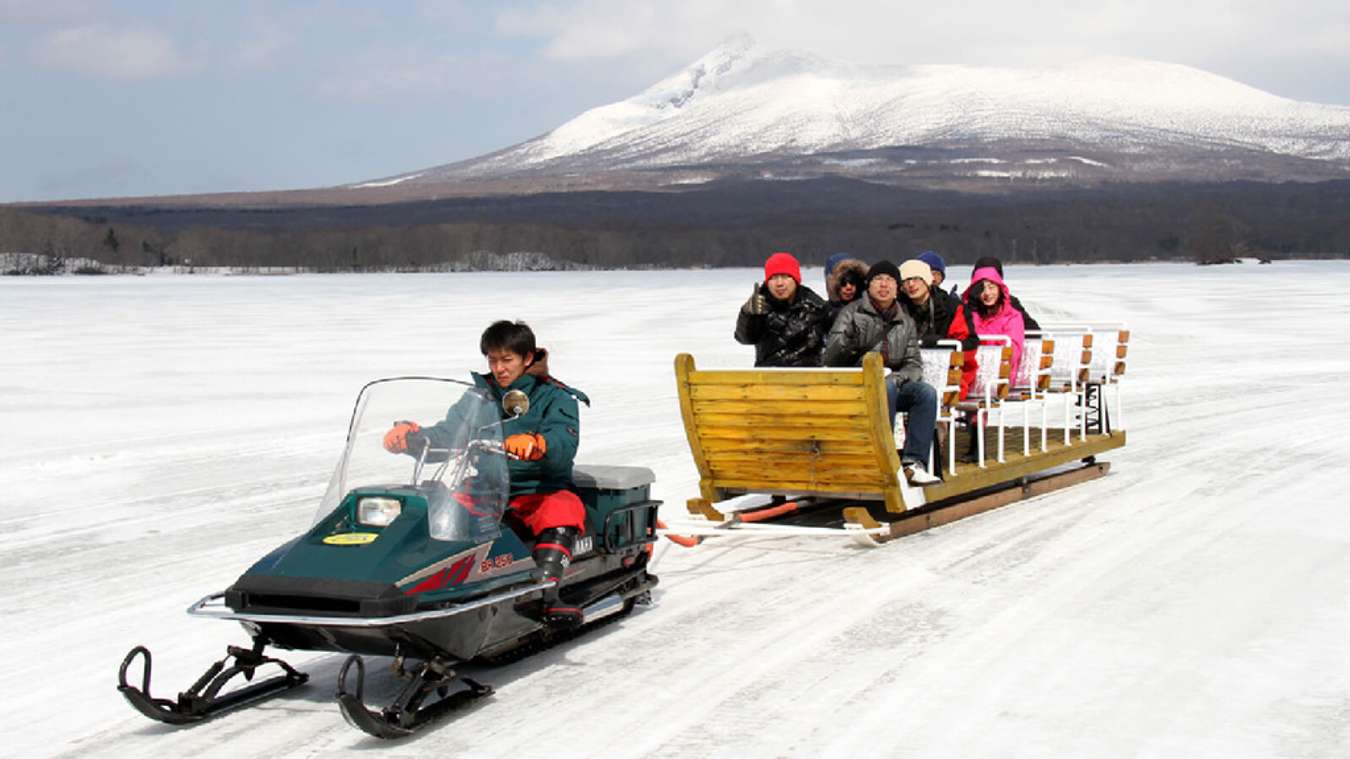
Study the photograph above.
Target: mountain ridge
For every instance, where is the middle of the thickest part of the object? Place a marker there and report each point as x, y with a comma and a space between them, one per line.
743, 110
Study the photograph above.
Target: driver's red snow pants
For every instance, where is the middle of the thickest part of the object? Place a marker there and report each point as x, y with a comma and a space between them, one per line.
540, 511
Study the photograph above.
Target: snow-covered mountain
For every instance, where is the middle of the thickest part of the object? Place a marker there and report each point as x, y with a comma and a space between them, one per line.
743, 110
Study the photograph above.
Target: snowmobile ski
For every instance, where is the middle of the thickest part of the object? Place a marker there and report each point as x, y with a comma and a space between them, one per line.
406, 714
202, 700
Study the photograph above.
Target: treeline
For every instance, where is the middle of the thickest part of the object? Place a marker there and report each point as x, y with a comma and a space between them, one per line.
724, 225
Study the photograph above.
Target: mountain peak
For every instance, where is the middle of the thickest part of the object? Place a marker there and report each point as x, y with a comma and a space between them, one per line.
751, 111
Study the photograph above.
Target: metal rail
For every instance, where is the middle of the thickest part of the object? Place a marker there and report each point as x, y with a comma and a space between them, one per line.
213, 607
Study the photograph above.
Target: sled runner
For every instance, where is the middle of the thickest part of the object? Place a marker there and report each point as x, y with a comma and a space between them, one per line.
812, 451
416, 556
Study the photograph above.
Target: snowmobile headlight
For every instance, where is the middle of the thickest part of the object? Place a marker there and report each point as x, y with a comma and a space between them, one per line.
378, 512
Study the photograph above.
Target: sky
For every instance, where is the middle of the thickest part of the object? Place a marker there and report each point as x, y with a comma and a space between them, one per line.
153, 97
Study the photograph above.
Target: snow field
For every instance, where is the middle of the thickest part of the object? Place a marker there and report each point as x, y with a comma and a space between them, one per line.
158, 434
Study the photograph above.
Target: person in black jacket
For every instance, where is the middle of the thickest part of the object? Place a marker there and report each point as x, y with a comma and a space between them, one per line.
845, 284
1027, 322
784, 320
939, 315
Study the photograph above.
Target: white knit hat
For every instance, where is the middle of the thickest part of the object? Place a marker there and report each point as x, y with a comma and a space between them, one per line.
916, 268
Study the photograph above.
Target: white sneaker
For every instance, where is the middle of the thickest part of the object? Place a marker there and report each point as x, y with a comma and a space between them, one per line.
917, 476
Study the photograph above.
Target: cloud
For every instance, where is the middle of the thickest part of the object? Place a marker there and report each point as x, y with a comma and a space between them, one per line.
1204, 33
115, 52
266, 39
392, 73
594, 28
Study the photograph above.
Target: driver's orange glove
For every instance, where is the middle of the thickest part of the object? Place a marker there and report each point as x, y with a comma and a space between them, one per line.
529, 446
396, 439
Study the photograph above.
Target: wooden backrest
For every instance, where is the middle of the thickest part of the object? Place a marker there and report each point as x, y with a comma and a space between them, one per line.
1104, 344
1109, 346
1072, 357
1038, 356
942, 370
799, 431
993, 378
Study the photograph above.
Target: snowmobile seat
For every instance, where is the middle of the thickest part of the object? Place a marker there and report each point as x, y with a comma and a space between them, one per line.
619, 508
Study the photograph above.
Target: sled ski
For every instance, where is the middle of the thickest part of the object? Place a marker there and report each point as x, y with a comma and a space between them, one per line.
868, 531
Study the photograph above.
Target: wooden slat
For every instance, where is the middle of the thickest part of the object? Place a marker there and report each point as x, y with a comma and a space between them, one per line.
774, 485
805, 409
775, 392
748, 434
712, 446
846, 422
851, 479
684, 366
846, 460
879, 424
840, 377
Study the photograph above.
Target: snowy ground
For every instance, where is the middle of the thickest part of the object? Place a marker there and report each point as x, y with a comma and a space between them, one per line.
158, 433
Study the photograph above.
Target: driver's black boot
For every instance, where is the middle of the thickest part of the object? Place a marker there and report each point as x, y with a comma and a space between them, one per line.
553, 553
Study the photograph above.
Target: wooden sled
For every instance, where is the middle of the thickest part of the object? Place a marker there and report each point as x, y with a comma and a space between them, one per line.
821, 440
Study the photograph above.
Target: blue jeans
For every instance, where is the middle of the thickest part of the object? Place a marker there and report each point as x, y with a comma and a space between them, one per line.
918, 399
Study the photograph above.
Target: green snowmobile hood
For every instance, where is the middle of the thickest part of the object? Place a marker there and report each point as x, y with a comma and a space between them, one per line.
402, 555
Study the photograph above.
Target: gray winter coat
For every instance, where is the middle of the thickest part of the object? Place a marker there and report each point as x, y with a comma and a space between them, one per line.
859, 329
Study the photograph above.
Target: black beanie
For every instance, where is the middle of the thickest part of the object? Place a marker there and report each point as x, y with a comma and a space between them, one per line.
884, 267
991, 263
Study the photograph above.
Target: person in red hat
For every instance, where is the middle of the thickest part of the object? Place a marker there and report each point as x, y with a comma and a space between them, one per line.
785, 320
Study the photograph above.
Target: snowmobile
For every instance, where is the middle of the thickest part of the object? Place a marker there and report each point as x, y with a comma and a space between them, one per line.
416, 557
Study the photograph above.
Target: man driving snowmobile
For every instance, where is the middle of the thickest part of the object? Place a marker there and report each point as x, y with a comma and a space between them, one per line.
541, 442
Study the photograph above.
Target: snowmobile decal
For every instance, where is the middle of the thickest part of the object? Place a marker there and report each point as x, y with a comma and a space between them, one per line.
431, 569
496, 562
502, 565
452, 575
584, 545
351, 538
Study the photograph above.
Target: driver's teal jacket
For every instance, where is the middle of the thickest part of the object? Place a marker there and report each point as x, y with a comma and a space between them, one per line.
553, 413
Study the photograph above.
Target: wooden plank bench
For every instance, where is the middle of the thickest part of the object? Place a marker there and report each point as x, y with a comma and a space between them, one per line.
803, 431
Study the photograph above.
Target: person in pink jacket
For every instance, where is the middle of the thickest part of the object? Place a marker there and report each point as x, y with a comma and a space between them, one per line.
990, 305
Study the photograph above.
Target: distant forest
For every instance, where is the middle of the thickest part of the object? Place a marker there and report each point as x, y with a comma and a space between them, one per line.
724, 224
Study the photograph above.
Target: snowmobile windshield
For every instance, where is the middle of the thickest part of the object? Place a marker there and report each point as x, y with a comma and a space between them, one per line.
441, 437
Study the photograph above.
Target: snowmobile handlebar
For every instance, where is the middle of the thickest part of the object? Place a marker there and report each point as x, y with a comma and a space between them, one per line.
459, 455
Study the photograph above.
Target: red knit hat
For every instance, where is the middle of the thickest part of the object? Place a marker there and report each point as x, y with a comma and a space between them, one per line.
783, 263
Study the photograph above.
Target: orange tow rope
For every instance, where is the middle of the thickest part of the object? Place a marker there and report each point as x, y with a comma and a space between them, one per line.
769, 513
680, 540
